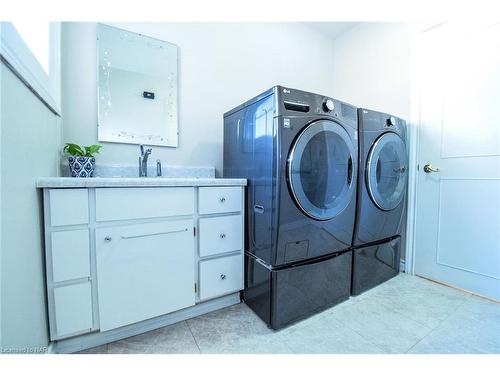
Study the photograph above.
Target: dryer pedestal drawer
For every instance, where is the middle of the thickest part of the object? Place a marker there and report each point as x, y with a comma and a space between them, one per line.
221, 276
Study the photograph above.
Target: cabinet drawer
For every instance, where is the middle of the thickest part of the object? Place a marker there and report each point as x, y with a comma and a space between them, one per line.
73, 309
221, 234
70, 255
69, 206
213, 200
221, 276
142, 203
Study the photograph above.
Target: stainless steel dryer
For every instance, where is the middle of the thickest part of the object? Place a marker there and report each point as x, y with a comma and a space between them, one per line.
381, 203
298, 151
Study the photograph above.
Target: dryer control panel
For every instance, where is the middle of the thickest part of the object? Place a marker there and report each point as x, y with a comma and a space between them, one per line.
293, 102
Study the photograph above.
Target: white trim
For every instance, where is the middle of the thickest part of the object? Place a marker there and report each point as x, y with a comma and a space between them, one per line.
413, 134
16, 54
51, 348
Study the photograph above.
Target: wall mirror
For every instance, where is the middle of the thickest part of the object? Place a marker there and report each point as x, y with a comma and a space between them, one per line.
137, 88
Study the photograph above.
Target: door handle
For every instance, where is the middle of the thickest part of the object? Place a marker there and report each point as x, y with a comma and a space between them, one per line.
428, 168
258, 209
153, 234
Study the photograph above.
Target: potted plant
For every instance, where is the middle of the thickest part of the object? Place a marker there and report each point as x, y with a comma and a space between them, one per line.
81, 159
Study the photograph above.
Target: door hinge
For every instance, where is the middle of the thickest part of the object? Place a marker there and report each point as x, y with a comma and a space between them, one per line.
195, 287
194, 231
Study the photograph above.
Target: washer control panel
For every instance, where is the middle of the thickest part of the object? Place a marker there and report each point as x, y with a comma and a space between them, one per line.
328, 105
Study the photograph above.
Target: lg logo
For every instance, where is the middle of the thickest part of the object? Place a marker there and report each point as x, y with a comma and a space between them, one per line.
286, 91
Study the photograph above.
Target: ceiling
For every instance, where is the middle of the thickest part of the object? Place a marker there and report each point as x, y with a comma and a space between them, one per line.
331, 29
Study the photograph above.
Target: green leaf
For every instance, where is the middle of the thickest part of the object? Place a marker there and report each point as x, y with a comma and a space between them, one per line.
87, 151
91, 150
73, 150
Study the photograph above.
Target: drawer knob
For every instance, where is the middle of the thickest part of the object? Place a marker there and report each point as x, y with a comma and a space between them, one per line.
107, 239
222, 199
222, 235
222, 276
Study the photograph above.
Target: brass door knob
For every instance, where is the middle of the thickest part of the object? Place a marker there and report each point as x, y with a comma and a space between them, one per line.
428, 168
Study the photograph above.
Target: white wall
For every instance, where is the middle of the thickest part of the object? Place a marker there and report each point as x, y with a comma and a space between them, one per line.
371, 67
30, 147
220, 66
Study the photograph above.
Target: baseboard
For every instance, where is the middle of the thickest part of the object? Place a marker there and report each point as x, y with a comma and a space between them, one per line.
402, 267
51, 348
90, 340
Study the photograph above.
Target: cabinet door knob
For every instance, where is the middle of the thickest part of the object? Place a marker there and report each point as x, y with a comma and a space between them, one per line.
222, 235
222, 276
107, 239
222, 200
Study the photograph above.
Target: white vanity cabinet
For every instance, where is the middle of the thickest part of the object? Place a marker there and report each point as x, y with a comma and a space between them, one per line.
117, 256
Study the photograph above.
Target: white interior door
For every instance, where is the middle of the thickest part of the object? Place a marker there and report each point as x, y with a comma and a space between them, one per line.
457, 237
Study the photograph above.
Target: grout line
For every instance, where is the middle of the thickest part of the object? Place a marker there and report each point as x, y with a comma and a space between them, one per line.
385, 304
445, 287
442, 321
359, 334
418, 341
404, 316
192, 334
434, 329
446, 319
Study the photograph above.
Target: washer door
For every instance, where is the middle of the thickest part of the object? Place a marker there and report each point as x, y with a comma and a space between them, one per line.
321, 166
386, 171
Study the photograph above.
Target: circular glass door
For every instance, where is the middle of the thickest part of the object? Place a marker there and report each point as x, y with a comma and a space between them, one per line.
321, 166
386, 172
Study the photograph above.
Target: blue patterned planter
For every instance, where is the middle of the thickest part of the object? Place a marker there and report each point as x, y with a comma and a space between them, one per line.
80, 166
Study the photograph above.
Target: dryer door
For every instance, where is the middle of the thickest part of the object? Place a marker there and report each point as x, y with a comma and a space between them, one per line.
387, 171
320, 170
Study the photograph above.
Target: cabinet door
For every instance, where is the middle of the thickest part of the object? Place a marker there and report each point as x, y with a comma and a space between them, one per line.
73, 310
70, 254
144, 271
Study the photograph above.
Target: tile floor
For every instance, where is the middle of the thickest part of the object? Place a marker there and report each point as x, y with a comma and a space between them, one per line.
407, 314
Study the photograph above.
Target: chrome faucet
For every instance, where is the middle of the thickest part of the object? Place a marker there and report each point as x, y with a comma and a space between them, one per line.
158, 168
143, 161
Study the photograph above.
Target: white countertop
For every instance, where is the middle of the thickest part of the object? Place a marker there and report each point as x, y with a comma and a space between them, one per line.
93, 182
